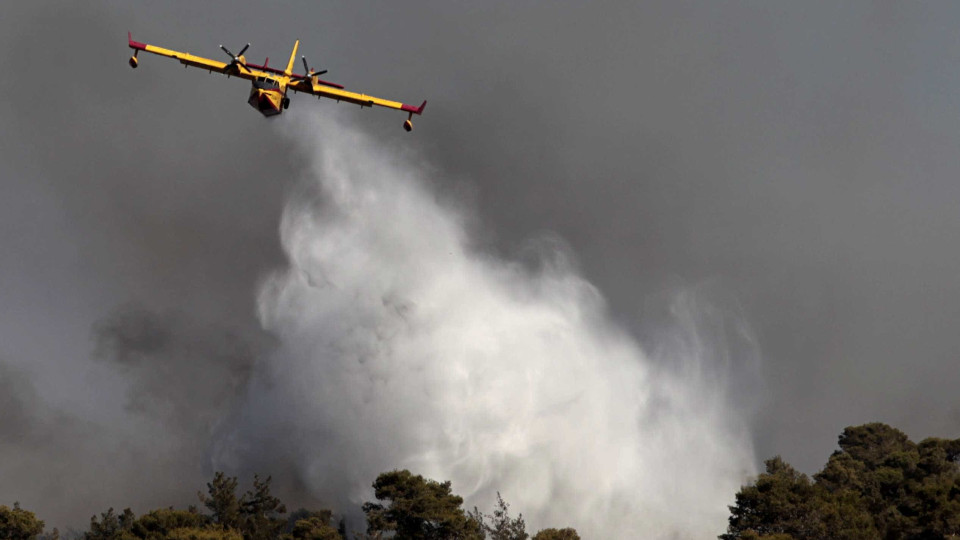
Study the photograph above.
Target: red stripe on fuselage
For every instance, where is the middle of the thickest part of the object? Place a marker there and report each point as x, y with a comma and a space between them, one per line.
264, 67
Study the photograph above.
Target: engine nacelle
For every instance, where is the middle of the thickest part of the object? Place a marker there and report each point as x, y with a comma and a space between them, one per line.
408, 125
133, 61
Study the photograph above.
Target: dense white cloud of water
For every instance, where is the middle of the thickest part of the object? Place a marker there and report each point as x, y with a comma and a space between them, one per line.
401, 345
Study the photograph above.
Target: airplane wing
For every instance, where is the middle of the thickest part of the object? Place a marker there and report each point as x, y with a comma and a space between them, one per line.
323, 89
187, 59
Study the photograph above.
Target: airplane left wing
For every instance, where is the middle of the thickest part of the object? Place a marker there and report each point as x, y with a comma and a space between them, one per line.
238, 70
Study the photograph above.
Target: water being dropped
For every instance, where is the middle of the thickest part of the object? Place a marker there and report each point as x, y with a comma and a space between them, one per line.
404, 346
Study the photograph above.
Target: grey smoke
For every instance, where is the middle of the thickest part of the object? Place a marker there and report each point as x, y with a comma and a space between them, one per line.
179, 380
19, 404
184, 374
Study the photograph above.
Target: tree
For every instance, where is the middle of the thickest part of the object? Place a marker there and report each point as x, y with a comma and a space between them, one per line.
256, 514
223, 502
260, 512
557, 534
418, 509
313, 528
909, 490
501, 527
304, 524
872, 444
161, 524
936, 487
19, 524
878, 485
780, 502
110, 526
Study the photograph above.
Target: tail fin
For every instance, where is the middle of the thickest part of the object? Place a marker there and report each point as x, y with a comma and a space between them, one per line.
293, 56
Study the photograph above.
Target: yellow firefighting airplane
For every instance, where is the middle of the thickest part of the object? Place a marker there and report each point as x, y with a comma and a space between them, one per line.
270, 85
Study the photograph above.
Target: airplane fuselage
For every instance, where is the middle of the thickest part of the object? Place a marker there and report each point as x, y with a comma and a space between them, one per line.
268, 96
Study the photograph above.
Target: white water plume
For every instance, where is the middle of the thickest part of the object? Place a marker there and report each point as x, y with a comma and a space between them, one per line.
401, 345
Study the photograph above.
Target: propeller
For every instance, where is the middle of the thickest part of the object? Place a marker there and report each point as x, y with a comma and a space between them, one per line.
236, 57
310, 72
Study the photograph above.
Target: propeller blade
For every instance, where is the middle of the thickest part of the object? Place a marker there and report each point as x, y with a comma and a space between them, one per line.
244, 49
309, 72
226, 50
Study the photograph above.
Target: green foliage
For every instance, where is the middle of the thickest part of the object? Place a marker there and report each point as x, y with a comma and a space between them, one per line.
111, 526
222, 501
260, 512
18, 524
873, 444
557, 534
161, 524
412, 508
878, 485
256, 514
750, 535
306, 525
418, 509
313, 528
194, 533
780, 502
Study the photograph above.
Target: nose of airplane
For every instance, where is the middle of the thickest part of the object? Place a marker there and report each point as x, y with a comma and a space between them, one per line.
267, 99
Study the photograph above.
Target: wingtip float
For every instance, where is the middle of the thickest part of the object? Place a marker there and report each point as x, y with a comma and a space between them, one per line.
268, 94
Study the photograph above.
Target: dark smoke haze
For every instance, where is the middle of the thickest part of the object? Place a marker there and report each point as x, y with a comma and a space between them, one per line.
781, 178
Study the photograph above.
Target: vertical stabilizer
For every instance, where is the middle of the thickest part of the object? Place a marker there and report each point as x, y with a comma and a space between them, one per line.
293, 55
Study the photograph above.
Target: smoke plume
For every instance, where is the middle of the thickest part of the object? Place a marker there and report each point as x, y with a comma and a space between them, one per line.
404, 345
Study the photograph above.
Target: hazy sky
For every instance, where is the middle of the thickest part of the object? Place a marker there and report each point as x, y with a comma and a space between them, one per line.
794, 164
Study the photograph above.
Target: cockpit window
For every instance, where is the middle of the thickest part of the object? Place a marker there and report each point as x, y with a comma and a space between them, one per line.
266, 83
